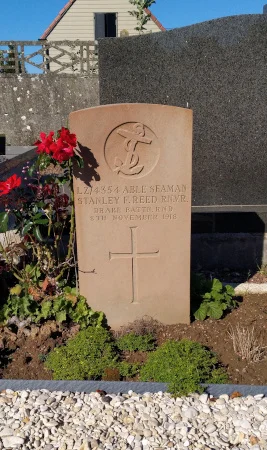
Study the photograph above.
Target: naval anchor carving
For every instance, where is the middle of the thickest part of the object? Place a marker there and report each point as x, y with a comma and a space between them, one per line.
132, 150
130, 165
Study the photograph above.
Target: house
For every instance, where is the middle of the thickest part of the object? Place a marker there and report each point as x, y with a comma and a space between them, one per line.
86, 21
90, 20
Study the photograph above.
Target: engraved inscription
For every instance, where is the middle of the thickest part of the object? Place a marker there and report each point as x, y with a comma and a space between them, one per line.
133, 202
132, 150
134, 256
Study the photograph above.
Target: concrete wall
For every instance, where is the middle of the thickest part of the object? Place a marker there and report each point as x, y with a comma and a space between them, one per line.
34, 103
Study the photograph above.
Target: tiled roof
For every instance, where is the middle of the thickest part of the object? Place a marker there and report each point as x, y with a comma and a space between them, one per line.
71, 2
155, 20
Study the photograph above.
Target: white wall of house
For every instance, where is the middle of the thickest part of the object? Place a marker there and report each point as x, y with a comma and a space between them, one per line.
78, 21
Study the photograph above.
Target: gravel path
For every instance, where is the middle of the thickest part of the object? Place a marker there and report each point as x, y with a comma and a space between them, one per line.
40, 419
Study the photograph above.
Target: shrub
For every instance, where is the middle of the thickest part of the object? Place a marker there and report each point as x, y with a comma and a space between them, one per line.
66, 306
84, 357
216, 300
184, 365
132, 342
129, 370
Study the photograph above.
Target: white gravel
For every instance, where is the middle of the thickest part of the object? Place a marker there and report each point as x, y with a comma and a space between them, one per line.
47, 420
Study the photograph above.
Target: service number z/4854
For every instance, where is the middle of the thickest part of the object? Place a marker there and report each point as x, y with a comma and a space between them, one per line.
98, 190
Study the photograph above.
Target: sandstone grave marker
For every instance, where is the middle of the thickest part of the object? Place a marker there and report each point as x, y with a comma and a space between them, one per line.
133, 210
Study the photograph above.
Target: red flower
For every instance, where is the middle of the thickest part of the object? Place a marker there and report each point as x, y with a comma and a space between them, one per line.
47, 190
62, 201
11, 183
62, 151
44, 146
68, 137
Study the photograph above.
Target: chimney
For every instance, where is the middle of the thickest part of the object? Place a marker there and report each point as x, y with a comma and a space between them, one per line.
265, 9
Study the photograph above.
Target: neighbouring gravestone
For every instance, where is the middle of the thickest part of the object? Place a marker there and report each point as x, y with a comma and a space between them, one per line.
218, 69
133, 210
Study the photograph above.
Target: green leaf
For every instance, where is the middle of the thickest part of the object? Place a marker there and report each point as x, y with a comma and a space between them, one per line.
36, 274
80, 161
67, 289
3, 222
24, 308
37, 234
61, 316
33, 271
230, 290
44, 161
46, 309
216, 285
28, 268
40, 205
31, 169
217, 296
215, 310
41, 221
37, 216
70, 290
59, 304
27, 228
201, 313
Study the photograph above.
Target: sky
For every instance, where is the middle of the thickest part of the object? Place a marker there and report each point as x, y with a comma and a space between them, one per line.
28, 19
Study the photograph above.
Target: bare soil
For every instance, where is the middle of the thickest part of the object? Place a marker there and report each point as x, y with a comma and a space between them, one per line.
22, 351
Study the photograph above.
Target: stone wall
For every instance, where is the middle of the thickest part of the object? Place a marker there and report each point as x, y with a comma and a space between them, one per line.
33, 103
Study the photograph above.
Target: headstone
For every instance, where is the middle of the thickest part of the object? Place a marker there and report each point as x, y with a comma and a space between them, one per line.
133, 210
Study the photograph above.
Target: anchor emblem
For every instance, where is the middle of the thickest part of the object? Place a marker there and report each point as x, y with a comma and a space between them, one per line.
131, 166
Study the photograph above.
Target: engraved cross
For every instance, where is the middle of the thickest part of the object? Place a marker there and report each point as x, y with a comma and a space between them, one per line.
134, 256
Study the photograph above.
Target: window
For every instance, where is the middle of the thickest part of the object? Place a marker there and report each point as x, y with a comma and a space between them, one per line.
105, 25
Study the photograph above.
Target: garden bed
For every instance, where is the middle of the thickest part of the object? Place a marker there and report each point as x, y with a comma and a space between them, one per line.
23, 350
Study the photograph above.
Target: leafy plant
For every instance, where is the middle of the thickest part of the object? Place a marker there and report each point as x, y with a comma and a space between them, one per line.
199, 286
216, 301
129, 370
67, 306
140, 13
132, 342
84, 357
183, 365
41, 212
